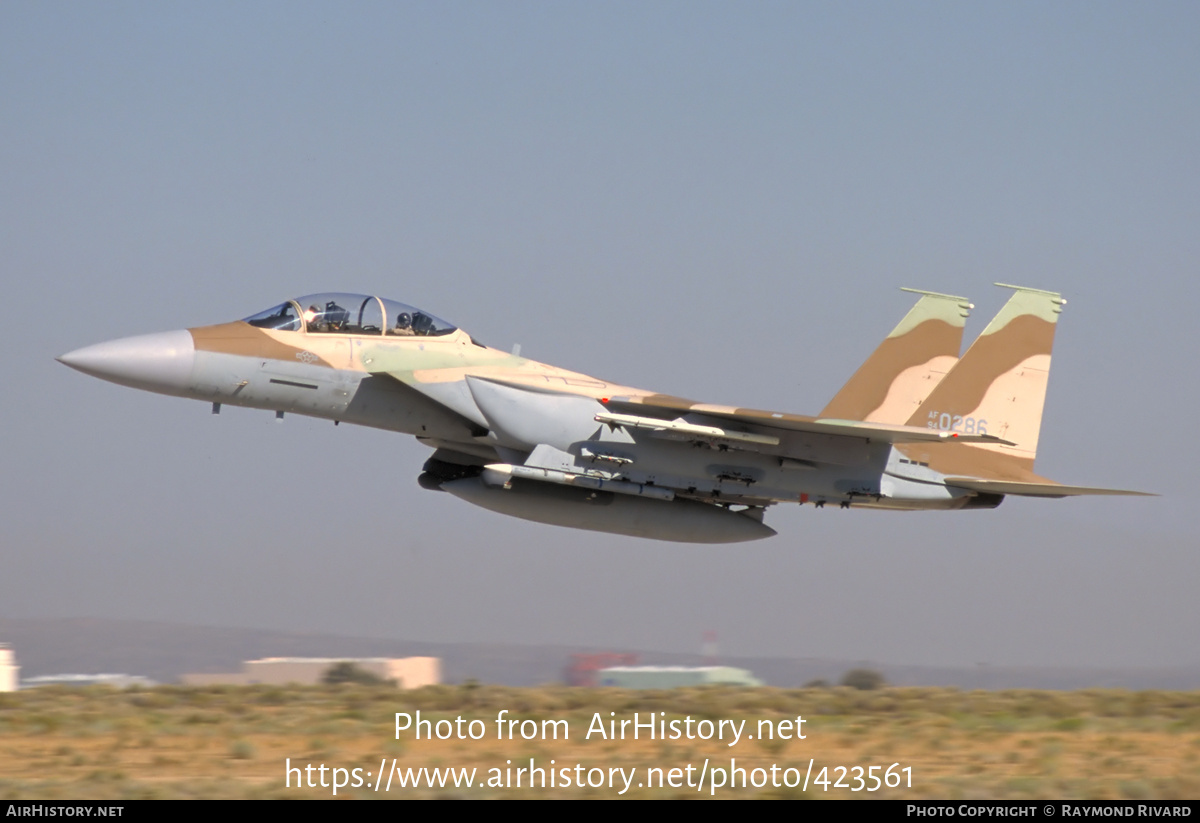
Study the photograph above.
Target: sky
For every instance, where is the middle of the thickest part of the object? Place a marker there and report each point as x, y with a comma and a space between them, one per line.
711, 200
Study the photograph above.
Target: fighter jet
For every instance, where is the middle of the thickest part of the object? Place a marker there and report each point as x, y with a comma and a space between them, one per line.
915, 428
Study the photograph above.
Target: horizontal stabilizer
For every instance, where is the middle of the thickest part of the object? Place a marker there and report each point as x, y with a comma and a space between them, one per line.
1033, 489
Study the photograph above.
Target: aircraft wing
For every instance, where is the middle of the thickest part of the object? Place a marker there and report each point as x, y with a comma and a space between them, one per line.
647, 411
1048, 489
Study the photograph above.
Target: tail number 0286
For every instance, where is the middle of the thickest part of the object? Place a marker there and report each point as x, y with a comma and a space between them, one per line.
956, 423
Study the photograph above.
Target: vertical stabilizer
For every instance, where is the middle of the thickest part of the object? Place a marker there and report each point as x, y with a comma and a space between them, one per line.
999, 385
890, 385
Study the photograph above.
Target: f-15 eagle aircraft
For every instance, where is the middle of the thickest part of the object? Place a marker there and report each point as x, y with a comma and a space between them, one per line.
914, 428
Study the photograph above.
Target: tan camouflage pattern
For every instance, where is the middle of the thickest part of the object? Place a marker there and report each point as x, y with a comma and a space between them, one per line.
1001, 380
239, 337
893, 382
409, 359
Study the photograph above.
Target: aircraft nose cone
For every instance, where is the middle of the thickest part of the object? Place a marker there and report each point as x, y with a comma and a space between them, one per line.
155, 362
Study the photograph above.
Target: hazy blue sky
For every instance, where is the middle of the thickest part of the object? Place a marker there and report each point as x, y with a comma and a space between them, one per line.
712, 200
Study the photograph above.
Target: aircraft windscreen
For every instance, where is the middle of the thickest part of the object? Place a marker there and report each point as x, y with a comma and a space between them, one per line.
280, 318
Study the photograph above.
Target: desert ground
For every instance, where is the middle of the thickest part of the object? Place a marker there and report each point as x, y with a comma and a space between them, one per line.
61, 743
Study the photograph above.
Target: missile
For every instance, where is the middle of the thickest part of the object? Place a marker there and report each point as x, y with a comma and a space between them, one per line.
681, 426
502, 474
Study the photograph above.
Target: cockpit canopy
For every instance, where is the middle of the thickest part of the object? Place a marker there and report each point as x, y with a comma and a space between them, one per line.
336, 313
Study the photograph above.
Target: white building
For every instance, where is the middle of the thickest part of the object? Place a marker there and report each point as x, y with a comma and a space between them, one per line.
9, 670
674, 677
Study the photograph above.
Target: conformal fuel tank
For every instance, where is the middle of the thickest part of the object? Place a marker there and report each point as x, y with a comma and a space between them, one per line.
684, 521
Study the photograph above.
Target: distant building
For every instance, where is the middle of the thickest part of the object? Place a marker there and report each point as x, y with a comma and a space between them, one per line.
584, 667
408, 672
9, 670
117, 681
673, 677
